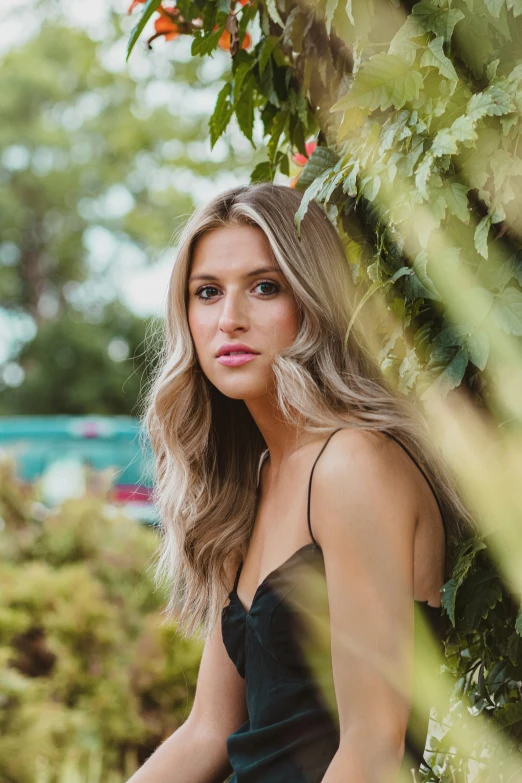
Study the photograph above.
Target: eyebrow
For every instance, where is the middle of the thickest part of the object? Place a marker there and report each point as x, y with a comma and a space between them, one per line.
263, 270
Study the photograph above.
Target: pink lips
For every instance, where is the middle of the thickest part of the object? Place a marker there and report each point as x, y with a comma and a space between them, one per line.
235, 361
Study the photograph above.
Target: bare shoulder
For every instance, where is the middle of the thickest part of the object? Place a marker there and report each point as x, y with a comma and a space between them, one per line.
364, 474
365, 456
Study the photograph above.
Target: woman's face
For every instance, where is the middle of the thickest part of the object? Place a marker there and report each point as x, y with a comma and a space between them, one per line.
238, 300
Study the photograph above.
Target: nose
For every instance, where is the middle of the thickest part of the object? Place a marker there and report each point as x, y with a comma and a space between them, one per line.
233, 317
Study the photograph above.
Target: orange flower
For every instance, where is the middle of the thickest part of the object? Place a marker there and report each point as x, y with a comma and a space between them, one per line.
165, 26
167, 13
299, 159
293, 181
224, 41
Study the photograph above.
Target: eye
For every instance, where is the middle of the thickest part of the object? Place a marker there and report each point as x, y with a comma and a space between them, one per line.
199, 292
275, 286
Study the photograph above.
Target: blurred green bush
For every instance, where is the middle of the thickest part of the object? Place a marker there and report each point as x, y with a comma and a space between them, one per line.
88, 670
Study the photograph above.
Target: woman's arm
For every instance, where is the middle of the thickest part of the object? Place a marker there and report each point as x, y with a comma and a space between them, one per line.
196, 752
364, 514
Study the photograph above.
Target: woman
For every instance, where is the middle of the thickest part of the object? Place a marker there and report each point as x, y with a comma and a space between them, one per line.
255, 385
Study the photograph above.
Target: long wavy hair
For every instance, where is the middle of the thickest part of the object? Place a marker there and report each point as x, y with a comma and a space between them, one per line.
208, 447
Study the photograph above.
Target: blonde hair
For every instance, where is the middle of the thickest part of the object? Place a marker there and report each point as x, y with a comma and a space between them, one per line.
208, 447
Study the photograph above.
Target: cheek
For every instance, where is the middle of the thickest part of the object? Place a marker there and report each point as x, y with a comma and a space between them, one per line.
198, 327
286, 322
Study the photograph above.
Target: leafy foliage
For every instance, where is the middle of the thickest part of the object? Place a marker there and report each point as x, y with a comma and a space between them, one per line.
86, 666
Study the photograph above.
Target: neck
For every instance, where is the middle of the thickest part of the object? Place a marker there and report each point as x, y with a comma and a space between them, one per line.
281, 437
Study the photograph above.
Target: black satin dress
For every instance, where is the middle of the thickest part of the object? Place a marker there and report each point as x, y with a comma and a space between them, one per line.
291, 733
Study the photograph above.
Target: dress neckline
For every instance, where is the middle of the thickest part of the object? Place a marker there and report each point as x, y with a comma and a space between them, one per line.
262, 586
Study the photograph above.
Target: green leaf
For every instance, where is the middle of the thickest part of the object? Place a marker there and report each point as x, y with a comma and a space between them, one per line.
185, 8
475, 43
478, 348
298, 24
494, 7
331, 7
444, 143
456, 198
453, 374
420, 269
209, 16
273, 13
403, 42
434, 56
245, 114
440, 21
491, 70
241, 81
508, 715
321, 159
466, 554
478, 595
423, 174
481, 236
266, 50
276, 129
508, 311
515, 6
350, 183
504, 165
448, 598
283, 163
492, 102
463, 129
205, 44
513, 647
518, 622
222, 114
308, 195
382, 81
263, 172
149, 8
370, 187
450, 336
248, 13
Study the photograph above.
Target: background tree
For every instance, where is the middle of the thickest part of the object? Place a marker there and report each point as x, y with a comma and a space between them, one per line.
76, 367
93, 186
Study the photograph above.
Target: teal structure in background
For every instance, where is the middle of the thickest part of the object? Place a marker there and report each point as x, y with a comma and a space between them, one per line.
59, 452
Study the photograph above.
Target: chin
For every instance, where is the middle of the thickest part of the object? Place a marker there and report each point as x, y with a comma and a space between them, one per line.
242, 388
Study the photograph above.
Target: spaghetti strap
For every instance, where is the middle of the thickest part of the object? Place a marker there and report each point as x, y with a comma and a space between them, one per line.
430, 483
236, 579
310, 482
393, 437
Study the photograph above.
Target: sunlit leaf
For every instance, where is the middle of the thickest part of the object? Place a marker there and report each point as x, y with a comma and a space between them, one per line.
481, 236
384, 80
493, 101
150, 7
434, 55
508, 311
